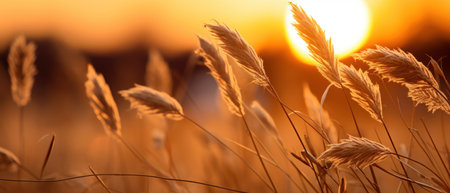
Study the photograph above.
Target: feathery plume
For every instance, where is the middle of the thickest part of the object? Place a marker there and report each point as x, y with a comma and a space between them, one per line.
403, 68
320, 48
430, 97
224, 76
363, 91
235, 46
8, 160
150, 101
319, 115
355, 151
264, 117
22, 70
158, 73
397, 66
101, 100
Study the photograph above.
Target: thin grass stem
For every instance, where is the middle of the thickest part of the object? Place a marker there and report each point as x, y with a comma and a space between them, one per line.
396, 152
227, 147
258, 153
121, 175
408, 179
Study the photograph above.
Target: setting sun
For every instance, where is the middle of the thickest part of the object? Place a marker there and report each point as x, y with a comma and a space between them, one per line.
347, 22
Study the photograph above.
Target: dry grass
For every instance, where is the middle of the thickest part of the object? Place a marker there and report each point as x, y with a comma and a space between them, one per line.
233, 43
22, 69
158, 73
224, 76
102, 102
363, 91
354, 152
150, 101
319, 115
320, 47
403, 68
222, 158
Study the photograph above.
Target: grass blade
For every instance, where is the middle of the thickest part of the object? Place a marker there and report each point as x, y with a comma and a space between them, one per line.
47, 156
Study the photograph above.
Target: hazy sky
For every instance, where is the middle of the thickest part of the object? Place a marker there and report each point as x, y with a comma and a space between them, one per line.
103, 25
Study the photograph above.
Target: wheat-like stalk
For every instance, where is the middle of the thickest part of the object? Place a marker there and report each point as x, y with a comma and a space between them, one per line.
236, 46
22, 70
320, 48
403, 68
8, 161
158, 73
150, 101
430, 97
354, 152
102, 102
264, 117
363, 91
224, 76
397, 66
319, 115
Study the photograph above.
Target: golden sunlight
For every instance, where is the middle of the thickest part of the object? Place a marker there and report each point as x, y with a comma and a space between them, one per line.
347, 22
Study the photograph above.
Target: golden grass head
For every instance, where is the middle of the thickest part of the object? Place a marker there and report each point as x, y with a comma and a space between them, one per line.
22, 70
8, 161
150, 101
224, 76
403, 68
158, 73
102, 101
363, 91
354, 152
236, 46
397, 66
321, 49
430, 97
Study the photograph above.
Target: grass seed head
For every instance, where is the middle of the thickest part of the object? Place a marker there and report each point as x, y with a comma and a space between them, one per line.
102, 102
22, 70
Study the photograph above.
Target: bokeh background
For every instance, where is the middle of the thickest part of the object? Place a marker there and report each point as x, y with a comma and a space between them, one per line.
115, 36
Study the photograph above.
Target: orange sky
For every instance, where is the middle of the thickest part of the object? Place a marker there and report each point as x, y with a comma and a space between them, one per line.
115, 24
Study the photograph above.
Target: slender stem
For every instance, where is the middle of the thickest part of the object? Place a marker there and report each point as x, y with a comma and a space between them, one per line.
372, 172
28, 171
396, 152
274, 92
408, 179
351, 111
374, 186
435, 147
423, 148
287, 115
284, 151
100, 180
227, 147
21, 137
257, 152
270, 161
377, 188
417, 162
145, 162
121, 175
360, 181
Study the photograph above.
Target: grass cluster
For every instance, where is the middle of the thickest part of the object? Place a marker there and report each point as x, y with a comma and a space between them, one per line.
261, 160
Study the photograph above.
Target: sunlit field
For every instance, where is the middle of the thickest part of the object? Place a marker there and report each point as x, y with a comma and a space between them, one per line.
311, 96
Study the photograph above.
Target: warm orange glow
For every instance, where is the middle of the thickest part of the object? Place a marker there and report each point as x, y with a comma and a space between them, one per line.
347, 22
